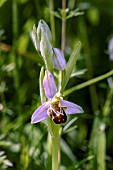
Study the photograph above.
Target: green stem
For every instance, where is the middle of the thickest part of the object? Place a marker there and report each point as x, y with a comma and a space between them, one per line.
63, 39
63, 25
15, 21
55, 147
14, 54
49, 144
108, 101
88, 83
52, 21
15, 37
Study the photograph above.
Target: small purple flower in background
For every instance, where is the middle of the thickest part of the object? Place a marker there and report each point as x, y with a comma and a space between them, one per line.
55, 107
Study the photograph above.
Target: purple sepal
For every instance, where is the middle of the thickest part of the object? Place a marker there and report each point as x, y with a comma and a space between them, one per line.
71, 107
40, 114
58, 59
49, 85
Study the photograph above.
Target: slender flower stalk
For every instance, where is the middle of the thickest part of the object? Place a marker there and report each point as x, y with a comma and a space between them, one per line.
55, 148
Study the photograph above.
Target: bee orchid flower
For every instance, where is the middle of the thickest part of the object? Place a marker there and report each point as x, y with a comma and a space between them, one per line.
56, 108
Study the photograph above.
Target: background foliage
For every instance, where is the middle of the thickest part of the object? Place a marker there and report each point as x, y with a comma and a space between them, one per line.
24, 146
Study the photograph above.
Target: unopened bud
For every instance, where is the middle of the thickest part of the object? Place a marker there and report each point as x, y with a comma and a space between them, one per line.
42, 24
46, 51
58, 59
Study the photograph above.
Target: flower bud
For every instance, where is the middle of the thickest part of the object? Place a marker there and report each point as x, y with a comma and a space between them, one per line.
46, 50
42, 24
58, 59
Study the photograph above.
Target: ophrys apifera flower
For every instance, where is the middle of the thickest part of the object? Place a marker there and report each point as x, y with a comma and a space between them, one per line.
55, 107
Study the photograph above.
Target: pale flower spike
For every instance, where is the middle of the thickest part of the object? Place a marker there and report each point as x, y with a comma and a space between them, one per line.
56, 108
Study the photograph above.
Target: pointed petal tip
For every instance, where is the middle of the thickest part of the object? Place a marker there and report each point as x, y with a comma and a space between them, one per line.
39, 119
32, 122
81, 110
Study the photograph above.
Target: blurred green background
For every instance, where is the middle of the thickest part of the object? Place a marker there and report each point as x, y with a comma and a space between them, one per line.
24, 146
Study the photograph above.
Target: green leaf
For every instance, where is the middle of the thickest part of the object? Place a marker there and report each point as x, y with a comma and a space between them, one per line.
101, 151
70, 65
70, 129
78, 73
69, 123
56, 14
2, 2
74, 14
80, 163
97, 145
106, 107
88, 83
67, 150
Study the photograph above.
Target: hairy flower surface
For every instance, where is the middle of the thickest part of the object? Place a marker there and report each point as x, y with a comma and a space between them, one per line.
55, 107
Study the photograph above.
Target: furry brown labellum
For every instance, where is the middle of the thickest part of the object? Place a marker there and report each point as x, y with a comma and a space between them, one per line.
57, 114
